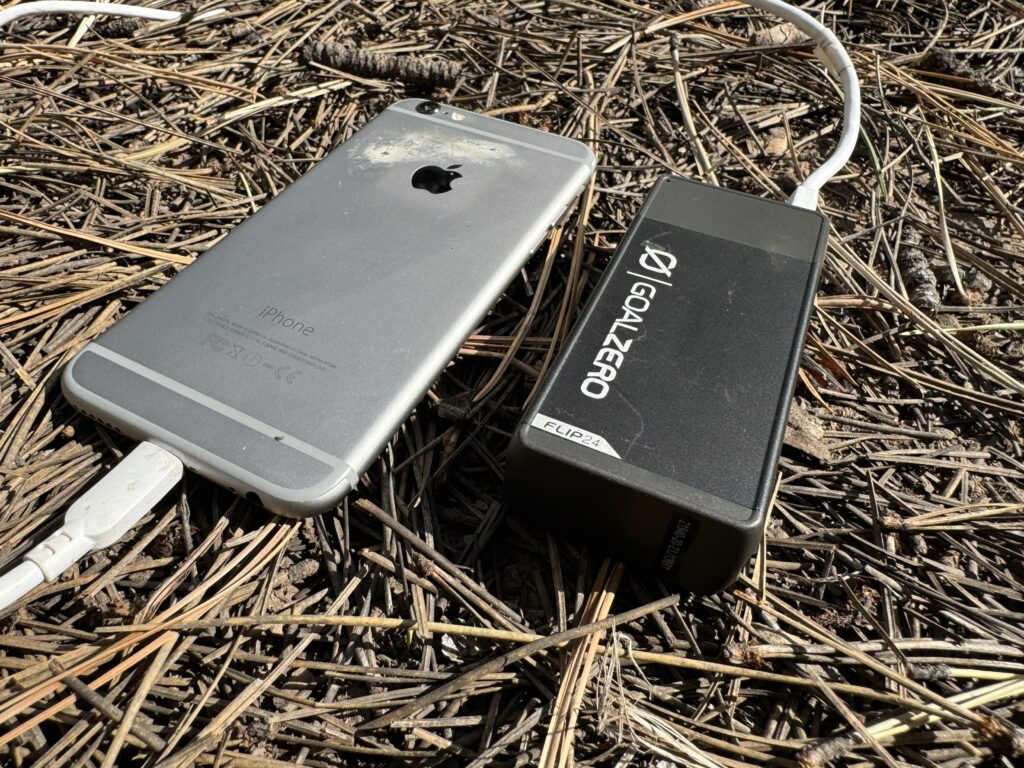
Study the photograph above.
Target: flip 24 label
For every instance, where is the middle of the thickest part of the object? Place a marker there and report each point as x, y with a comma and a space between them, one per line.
249, 358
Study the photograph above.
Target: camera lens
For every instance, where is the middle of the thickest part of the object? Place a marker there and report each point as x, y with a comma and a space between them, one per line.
429, 108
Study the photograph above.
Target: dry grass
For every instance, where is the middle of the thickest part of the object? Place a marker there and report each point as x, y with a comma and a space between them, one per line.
881, 625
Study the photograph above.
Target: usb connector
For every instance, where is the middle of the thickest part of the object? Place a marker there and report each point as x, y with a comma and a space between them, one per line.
100, 517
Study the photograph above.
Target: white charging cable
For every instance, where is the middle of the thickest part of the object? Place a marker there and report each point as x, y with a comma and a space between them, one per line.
105, 512
100, 517
834, 55
87, 8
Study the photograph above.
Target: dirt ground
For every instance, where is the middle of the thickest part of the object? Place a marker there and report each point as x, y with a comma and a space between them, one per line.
419, 623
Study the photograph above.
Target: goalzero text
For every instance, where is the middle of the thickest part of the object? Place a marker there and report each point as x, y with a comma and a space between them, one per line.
656, 266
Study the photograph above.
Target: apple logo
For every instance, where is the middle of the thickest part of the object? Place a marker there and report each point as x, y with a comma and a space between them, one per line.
435, 179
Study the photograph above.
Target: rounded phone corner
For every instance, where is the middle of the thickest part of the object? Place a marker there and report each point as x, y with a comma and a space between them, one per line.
74, 392
299, 503
587, 157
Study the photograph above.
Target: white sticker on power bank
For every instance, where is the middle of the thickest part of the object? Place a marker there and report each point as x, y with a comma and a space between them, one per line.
569, 432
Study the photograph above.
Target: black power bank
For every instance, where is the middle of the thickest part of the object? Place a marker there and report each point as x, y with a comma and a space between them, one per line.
657, 433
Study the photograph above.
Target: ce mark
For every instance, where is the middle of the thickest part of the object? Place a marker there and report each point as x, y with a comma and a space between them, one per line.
285, 373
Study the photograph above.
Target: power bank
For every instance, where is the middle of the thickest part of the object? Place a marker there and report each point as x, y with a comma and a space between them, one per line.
658, 431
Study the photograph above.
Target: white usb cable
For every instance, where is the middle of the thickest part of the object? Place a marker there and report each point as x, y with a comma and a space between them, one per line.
100, 517
87, 8
834, 55
110, 508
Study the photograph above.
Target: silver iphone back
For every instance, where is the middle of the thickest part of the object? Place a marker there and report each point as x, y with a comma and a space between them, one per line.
283, 360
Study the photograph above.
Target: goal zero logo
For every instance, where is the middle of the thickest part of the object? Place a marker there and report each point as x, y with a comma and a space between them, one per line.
656, 267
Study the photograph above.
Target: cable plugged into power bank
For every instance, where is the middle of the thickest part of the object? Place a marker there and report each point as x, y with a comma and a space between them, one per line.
657, 433
100, 517
832, 53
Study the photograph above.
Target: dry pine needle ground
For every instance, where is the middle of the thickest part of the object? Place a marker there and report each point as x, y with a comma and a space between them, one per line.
420, 625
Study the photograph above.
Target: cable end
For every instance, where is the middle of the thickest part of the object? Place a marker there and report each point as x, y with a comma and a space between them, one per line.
119, 500
804, 197
101, 516
209, 14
